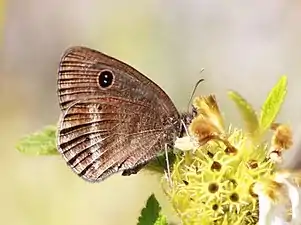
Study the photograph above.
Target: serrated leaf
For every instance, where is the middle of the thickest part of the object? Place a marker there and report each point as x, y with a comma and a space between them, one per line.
272, 104
247, 112
39, 143
151, 213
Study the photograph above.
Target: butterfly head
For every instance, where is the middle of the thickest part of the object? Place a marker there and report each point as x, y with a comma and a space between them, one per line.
186, 119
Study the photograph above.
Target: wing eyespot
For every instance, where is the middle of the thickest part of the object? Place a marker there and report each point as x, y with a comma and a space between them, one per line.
105, 79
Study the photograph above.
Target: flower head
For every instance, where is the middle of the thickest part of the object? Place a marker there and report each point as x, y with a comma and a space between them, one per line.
231, 177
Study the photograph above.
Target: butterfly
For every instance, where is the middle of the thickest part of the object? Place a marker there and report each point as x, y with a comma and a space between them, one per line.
113, 118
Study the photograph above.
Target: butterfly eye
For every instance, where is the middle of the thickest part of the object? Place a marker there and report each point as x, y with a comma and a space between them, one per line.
105, 78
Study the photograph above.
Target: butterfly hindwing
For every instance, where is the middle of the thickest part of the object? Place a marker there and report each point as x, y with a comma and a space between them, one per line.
112, 128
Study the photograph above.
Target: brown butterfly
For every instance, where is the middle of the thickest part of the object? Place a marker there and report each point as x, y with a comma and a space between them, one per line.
113, 118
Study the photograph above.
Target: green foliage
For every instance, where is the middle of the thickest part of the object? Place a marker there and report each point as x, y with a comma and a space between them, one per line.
151, 213
40, 143
247, 112
272, 105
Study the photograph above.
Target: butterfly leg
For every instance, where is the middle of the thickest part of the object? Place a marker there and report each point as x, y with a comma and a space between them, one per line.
134, 170
167, 171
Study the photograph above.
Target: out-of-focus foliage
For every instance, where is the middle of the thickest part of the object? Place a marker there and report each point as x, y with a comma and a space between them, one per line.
39, 143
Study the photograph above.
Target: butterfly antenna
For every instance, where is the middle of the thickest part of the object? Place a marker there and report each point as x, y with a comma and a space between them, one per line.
194, 89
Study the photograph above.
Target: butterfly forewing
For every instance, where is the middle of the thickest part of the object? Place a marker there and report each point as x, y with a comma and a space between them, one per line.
111, 129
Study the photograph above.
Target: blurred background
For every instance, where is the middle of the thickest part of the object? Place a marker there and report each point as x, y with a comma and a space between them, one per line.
243, 45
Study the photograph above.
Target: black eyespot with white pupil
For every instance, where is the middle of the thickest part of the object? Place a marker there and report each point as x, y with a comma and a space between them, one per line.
105, 78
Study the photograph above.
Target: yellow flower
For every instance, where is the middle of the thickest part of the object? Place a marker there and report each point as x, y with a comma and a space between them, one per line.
231, 175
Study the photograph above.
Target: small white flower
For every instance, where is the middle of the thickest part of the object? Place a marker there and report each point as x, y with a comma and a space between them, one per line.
186, 143
273, 207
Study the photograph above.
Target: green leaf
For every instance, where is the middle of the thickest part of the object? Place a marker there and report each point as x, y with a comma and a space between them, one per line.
273, 103
246, 111
40, 143
151, 213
